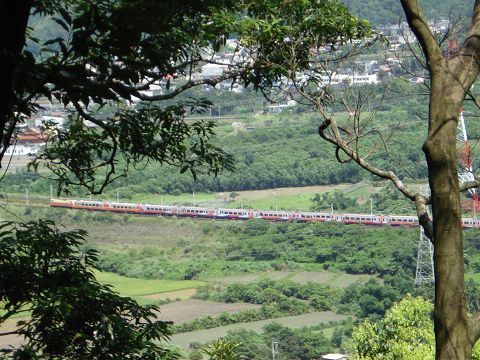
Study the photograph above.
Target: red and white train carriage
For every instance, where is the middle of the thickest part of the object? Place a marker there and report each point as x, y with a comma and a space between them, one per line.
245, 214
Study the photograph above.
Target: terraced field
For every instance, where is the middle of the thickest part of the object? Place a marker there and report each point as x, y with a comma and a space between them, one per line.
187, 310
185, 339
336, 279
147, 291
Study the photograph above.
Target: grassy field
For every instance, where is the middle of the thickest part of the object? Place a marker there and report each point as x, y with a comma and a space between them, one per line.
185, 339
183, 199
137, 288
335, 279
292, 198
474, 276
283, 198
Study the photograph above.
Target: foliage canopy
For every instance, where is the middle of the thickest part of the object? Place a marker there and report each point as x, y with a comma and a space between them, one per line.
69, 315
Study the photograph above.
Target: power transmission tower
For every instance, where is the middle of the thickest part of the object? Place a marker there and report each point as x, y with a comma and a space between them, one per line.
465, 168
424, 273
465, 165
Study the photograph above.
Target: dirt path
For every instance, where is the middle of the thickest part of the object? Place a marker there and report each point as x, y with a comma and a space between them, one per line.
10, 340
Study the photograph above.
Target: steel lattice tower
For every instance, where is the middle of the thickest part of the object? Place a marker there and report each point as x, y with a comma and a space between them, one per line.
465, 168
424, 273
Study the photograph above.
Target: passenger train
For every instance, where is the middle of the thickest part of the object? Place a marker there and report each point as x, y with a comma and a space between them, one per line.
245, 214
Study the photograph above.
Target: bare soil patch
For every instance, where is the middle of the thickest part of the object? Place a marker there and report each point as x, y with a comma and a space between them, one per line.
187, 310
10, 340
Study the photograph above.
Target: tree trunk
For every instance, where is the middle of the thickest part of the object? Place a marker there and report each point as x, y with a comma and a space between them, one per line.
451, 325
13, 23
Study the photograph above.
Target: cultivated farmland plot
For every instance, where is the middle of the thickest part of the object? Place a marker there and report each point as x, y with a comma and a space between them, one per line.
187, 310
185, 339
335, 279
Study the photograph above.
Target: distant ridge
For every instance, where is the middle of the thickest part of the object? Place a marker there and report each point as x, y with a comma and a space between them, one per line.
381, 12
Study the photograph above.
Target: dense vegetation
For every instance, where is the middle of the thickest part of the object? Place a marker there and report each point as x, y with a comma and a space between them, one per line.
281, 150
304, 344
277, 150
212, 249
258, 245
390, 11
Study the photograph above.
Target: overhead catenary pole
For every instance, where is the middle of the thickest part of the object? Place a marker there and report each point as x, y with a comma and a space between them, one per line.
274, 349
276, 199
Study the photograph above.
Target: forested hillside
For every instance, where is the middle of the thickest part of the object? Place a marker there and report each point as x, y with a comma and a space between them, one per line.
280, 150
378, 12
390, 11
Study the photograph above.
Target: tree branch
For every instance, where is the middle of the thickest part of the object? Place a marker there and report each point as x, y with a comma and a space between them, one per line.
424, 219
467, 185
188, 85
468, 62
337, 141
9, 333
421, 201
419, 25
475, 24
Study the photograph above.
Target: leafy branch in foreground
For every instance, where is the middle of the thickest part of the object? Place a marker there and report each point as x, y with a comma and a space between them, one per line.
145, 55
68, 314
221, 350
81, 155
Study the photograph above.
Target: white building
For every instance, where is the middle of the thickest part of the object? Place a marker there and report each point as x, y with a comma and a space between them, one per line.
213, 70
27, 142
350, 79
45, 119
334, 357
